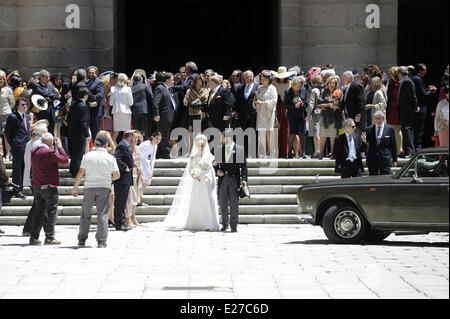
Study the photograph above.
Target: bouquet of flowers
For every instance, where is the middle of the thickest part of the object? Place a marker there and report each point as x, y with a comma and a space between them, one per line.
335, 99
196, 172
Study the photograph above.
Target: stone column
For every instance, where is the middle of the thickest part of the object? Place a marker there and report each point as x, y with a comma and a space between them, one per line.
9, 55
387, 35
46, 43
290, 33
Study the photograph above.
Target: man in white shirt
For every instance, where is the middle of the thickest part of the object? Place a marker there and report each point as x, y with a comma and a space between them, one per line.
101, 169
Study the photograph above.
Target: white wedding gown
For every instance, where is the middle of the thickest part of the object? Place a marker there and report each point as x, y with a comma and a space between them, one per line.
195, 204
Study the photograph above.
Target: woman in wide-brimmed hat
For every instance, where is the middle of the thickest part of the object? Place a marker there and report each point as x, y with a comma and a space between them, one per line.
282, 83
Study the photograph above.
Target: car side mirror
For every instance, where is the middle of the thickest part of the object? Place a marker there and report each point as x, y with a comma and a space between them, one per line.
417, 180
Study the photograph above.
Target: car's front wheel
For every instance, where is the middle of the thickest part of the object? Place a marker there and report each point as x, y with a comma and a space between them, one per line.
344, 224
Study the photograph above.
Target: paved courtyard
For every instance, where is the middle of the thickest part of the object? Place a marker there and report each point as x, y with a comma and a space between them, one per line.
258, 262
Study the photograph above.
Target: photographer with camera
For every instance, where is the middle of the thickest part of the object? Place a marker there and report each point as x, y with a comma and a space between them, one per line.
45, 180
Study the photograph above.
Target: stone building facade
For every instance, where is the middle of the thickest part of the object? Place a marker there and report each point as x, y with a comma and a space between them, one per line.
33, 34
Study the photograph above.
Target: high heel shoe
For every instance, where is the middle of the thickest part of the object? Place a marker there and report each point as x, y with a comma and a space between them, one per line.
110, 223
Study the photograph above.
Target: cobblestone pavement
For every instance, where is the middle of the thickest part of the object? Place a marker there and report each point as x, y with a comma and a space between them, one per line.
258, 262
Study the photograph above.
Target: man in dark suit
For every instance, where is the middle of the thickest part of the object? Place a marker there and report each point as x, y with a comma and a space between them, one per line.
382, 154
191, 73
354, 103
143, 103
423, 97
78, 134
407, 107
97, 90
164, 110
46, 90
17, 132
219, 107
231, 167
122, 185
245, 95
347, 152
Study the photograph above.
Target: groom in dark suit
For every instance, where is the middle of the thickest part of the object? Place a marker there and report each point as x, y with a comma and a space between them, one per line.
231, 167
164, 110
122, 185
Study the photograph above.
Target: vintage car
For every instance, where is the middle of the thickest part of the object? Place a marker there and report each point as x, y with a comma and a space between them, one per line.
414, 200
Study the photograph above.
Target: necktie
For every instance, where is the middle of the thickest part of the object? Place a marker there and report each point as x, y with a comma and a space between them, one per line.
25, 122
379, 133
211, 95
173, 101
228, 152
351, 149
247, 91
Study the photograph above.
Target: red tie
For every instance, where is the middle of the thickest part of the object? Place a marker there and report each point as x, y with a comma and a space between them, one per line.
25, 123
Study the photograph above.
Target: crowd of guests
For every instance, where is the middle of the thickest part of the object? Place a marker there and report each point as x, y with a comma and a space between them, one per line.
71, 116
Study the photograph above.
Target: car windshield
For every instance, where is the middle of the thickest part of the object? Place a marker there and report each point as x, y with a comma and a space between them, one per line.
428, 165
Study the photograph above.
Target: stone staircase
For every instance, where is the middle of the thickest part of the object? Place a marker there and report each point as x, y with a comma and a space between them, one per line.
273, 185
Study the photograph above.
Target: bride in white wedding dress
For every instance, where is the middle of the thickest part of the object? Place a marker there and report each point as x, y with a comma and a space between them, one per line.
195, 204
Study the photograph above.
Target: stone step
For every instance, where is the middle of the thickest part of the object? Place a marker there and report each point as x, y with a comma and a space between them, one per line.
159, 210
251, 163
170, 190
75, 220
261, 199
264, 180
257, 172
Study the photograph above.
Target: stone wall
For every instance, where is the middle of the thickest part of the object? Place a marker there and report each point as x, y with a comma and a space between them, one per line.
37, 36
9, 54
318, 32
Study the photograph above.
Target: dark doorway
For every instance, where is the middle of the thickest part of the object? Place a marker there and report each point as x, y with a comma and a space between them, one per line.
221, 34
423, 32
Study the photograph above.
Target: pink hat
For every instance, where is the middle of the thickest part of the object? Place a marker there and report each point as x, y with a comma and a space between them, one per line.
313, 72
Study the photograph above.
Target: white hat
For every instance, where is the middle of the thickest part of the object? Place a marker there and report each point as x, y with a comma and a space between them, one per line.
39, 102
282, 73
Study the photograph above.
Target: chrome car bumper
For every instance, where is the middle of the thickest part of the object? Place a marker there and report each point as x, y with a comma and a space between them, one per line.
305, 217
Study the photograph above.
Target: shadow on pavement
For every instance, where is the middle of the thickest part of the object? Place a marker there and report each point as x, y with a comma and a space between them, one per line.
381, 243
13, 236
17, 245
75, 247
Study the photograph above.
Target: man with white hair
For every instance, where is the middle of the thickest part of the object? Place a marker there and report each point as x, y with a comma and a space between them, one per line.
36, 140
353, 101
45, 182
325, 74
382, 153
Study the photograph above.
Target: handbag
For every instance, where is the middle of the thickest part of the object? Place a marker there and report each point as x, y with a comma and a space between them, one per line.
7, 194
277, 122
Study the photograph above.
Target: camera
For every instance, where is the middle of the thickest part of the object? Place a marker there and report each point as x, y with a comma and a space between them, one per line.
16, 191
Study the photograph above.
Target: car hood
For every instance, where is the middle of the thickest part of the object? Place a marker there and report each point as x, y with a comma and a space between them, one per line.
366, 181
